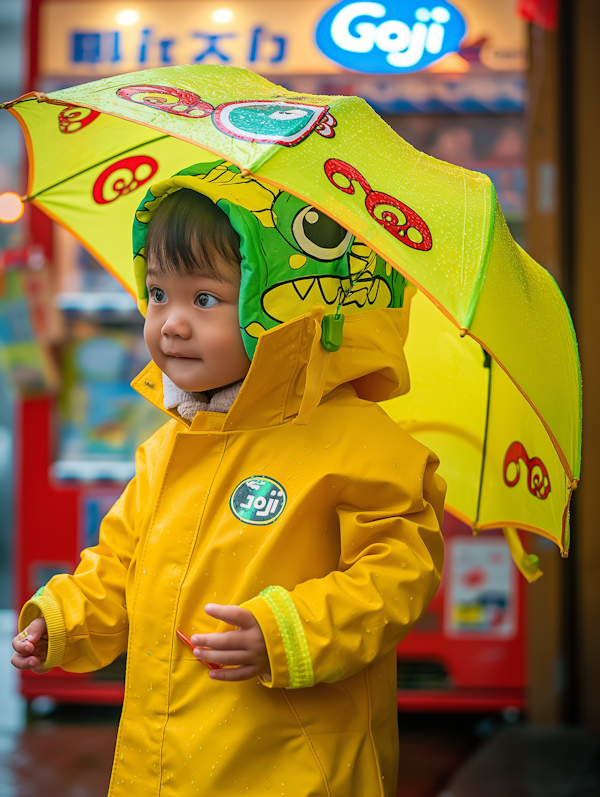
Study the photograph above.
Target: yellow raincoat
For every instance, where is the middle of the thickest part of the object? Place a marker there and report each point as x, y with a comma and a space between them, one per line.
349, 566
337, 553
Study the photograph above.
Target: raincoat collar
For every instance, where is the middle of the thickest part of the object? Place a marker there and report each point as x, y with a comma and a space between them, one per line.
291, 373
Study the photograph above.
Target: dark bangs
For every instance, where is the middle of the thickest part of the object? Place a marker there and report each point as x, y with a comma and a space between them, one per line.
189, 235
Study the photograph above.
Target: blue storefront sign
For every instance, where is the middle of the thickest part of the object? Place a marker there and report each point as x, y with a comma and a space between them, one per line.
391, 37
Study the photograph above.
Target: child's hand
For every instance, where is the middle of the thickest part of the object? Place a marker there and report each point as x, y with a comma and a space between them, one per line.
31, 646
245, 647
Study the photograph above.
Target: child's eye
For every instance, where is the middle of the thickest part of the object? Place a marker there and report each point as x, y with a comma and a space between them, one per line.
206, 300
158, 295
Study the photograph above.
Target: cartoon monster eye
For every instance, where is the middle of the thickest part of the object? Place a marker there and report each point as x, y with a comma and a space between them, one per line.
318, 235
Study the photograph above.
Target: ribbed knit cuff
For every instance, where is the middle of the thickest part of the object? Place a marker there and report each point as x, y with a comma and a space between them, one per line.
43, 605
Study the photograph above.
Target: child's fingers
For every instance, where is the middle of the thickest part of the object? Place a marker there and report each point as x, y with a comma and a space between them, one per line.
33, 633
228, 640
233, 615
243, 673
36, 629
225, 657
22, 646
25, 662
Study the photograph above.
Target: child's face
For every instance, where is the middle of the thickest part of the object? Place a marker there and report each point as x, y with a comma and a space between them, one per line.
192, 330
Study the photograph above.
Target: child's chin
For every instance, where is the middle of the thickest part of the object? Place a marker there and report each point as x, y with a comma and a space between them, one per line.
189, 386
184, 380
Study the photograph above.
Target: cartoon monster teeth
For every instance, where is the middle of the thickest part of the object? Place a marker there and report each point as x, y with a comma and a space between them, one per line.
304, 287
330, 289
299, 295
373, 291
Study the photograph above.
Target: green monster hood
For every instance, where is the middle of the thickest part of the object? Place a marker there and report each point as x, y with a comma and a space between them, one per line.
293, 256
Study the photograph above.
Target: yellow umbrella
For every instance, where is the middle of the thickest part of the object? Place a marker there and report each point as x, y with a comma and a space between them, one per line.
496, 388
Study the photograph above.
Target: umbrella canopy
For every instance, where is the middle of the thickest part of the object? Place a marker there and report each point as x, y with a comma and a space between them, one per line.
496, 388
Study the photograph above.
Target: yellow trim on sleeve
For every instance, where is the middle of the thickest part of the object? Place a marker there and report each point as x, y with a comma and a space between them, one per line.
43, 605
293, 637
279, 673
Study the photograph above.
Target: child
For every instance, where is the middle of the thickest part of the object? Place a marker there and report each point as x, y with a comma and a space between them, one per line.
280, 518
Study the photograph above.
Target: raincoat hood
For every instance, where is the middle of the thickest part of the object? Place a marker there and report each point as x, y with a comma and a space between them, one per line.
294, 257
291, 373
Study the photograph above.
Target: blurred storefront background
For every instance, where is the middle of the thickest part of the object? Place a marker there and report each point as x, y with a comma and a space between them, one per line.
480, 83
11, 235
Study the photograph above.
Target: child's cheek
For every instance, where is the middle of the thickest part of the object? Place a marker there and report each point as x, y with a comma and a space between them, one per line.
152, 334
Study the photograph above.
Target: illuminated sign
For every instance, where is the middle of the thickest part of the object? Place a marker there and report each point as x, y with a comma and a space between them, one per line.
395, 36
104, 37
296, 37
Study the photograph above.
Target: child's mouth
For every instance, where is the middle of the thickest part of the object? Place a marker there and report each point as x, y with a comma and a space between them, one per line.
181, 357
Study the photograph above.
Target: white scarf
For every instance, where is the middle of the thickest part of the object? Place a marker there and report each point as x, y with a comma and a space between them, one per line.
188, 404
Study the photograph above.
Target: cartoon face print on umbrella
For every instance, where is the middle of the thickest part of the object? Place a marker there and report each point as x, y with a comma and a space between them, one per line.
281, 122
170, 100
72, 119
122, 177
538, 478
394, 216
266, 122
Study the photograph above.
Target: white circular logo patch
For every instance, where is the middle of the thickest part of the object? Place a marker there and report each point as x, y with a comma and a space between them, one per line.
258, 500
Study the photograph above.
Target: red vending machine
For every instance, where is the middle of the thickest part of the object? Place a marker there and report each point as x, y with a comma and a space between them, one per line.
76, 443
467, 652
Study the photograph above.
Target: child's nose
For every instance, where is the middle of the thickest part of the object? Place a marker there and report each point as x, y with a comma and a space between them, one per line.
177, 325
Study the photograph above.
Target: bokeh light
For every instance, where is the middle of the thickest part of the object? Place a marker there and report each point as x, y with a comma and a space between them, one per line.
128, 17
223, 15
11, 207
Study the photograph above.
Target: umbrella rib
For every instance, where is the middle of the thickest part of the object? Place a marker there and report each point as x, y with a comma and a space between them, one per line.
89, 168
488, 365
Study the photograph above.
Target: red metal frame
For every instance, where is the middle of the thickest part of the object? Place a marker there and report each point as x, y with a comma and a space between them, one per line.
32, 28
46, 515
462, 700
47, 531
74, 689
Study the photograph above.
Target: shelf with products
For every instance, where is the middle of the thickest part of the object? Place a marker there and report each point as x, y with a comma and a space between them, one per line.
87, 470
119, 304
85, 288
101, 420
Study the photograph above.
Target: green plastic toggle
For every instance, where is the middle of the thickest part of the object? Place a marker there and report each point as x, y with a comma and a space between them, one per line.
332, 332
